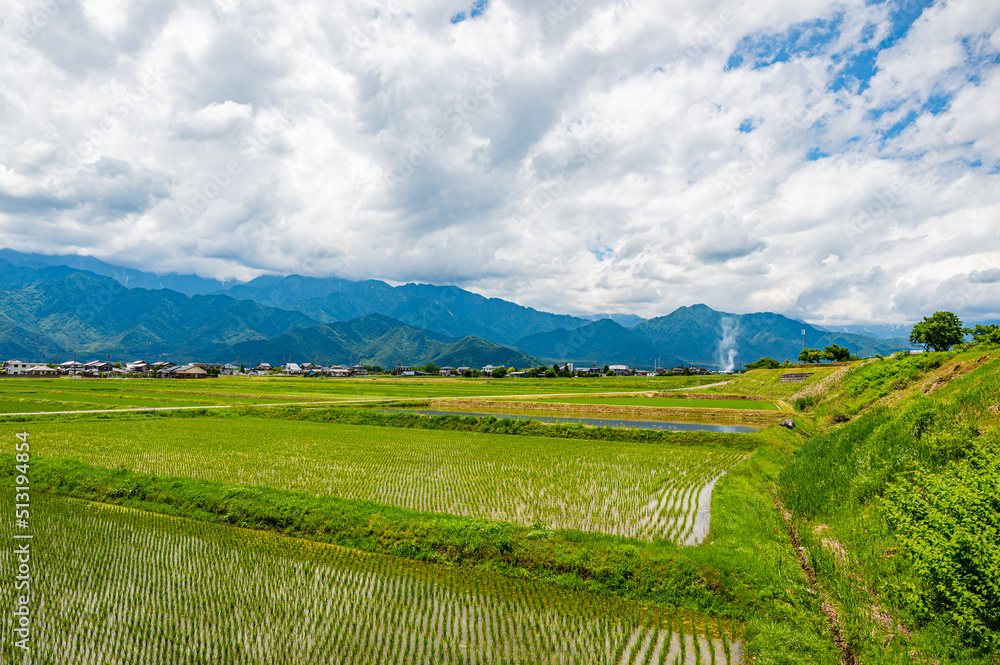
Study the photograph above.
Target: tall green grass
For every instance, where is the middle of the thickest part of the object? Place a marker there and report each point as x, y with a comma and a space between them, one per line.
910, 496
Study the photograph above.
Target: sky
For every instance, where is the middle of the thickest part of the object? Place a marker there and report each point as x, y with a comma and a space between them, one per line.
837, 162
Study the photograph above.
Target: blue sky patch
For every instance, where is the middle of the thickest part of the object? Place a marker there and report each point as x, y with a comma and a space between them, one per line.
747, 126
859, 67
815, 154
805, 39
478, 8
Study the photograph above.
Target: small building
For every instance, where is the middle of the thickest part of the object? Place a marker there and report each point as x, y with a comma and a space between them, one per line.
516, 375
446, 371
71, 367
42, 370
359, 370
263, 367
489, 369
620, 370
187, 372
138, 367
230, 369
97, 366
292, 368
18, 367
462, 370
403, 370
340, 372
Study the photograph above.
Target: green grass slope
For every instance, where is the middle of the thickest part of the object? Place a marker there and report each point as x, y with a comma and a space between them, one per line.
899, 508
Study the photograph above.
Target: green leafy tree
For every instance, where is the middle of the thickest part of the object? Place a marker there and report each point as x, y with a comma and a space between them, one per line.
431, 368
550, 374
988, 334
939, 332
838, 353
499, 372
764, 363
606, 370
812, 356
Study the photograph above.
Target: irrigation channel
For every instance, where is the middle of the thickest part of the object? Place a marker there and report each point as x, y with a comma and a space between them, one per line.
595, 422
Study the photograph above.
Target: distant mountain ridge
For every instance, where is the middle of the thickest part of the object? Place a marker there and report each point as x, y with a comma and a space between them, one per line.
190, 285
447, 310
380, 340
697, 335
36, 313
58, 312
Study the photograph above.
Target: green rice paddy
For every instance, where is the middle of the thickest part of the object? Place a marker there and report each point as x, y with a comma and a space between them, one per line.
635, 490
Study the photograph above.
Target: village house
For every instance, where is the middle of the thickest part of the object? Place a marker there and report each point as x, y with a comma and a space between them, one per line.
446, 371
620, 370
137, 367
17, 367
230, 369
359, 370
186, 372
292, 369
71, 367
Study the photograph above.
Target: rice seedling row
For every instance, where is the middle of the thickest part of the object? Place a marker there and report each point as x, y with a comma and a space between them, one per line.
635, 490
115, 586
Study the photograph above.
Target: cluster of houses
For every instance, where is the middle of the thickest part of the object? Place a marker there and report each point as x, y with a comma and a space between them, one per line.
199, 370
98, 368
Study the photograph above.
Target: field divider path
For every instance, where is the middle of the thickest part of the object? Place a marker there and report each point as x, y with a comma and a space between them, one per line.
376, 400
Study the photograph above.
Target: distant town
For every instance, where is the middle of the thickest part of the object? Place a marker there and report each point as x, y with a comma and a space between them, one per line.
165, 369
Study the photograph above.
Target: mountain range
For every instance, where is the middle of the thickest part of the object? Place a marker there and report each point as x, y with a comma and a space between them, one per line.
65, 305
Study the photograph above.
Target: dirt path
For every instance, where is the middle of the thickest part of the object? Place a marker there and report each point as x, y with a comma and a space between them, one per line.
847, 656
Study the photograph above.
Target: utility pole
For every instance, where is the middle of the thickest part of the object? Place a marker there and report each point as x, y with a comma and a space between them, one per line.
147, 353
803, 339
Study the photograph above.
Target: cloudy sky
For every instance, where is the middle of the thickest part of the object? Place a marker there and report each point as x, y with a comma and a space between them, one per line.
835, 161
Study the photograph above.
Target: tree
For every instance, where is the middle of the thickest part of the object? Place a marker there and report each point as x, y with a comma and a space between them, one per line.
838, 353
431, 368
939, 332
764, 363
550, 374
499, 372
988, 334
812, 356
607, 370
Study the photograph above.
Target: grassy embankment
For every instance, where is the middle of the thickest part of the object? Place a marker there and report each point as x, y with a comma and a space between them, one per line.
898, 507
